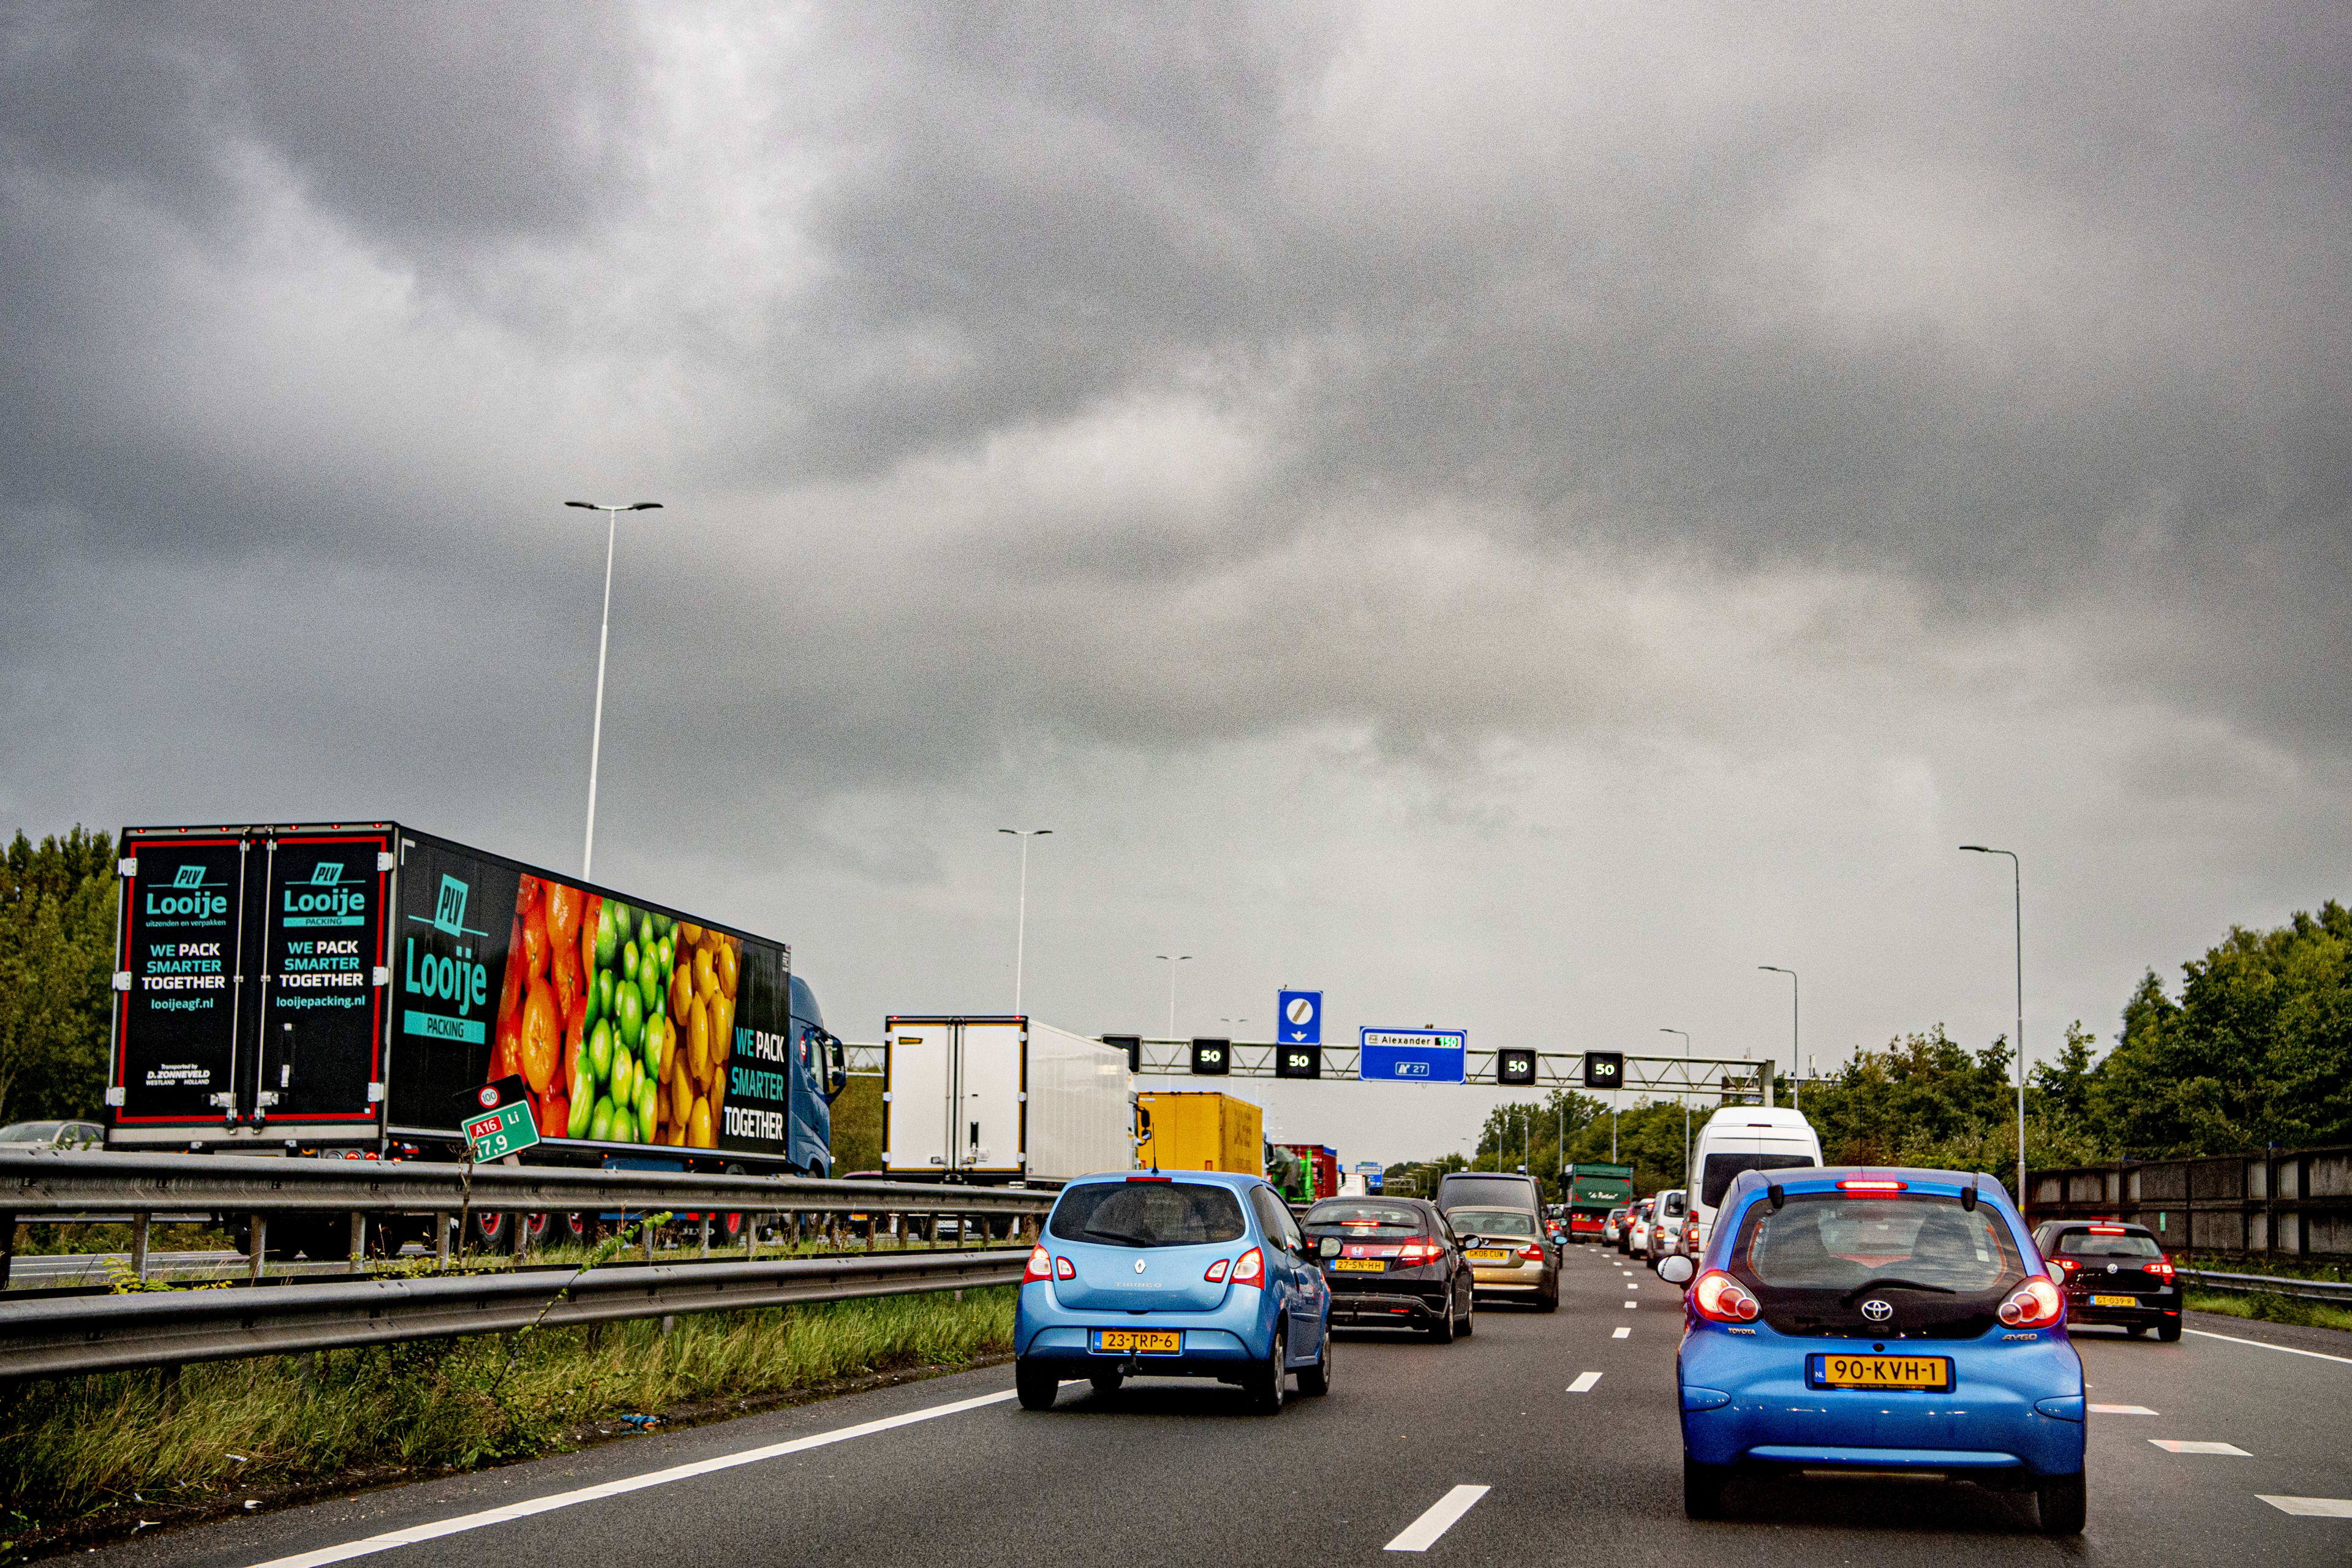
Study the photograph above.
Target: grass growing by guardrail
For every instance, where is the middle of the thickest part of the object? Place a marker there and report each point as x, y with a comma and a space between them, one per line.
2263, 1306
73, 1447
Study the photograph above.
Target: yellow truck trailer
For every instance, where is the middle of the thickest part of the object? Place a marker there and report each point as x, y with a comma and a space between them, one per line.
1202, 1130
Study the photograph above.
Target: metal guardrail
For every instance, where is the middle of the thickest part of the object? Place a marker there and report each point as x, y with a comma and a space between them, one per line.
79, 1334
36, 1185
2337, 1291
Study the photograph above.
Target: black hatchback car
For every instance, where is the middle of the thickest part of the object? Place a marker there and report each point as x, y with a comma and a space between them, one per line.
1391, 1263
2114, 1273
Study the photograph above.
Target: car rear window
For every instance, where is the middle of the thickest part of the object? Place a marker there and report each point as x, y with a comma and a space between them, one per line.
2088, 1244
1516, 1191
1149, 1214
1825, 1241
1492, 1222
1722, 1170
29, 1131
1365, 1218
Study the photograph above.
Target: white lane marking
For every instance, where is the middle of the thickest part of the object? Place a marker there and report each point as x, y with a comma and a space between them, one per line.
1631, 1305
1622, 1333
1584, 1381
434, 1531
2266, 1345
2178, 1446
2311, 1507
2121, 1410
1423, 1533
1629, 1286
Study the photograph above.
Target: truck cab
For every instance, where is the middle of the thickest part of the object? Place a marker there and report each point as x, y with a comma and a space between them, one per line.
819, 1074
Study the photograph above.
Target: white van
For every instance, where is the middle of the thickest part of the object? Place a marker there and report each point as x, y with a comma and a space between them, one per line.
1745, 1138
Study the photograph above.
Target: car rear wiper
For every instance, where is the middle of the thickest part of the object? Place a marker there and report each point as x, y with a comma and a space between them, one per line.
1127, 1236
1848, 1299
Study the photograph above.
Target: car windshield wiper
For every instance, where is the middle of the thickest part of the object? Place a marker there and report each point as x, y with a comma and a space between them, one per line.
1896, 1285
1126, 1236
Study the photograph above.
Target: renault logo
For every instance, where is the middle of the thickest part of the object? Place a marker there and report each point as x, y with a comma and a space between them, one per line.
1138, 1265
1876, 1310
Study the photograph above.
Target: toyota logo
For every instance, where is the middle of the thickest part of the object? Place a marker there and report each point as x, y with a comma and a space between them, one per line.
1138, 1265
1876, 1310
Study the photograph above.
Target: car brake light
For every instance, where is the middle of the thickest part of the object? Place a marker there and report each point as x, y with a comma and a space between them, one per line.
1716, 1296
2037, 1305
1040, 1265
1532, 1252
2066, 1263
1064, 1269
1151, 1178
1216, 1274
2109, 1230
1871, 1184
1413, 1252
1249, 1268
2162, 1266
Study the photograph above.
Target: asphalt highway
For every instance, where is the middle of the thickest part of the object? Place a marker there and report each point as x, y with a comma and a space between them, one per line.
1541, 1438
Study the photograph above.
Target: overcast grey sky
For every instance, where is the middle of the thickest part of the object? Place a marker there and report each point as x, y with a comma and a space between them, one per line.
1514, 515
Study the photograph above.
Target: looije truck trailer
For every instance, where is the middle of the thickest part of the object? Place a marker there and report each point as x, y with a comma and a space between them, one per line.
1002, 1101
332, 988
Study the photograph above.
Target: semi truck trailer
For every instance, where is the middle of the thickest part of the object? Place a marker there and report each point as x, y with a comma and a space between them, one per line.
1002, 1101
1199, 1130
334, 988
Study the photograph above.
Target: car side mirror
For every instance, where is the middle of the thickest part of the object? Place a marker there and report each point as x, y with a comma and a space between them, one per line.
1675, 1269
1330, 1247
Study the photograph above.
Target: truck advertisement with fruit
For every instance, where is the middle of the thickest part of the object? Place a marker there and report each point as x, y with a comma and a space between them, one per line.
350, 985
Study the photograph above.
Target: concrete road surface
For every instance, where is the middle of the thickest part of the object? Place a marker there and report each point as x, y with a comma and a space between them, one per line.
1541, 1439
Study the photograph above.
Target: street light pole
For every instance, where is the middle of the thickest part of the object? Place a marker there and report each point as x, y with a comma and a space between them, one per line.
1796, 1083
603, 638
1686, 1100
2017, 896
1021, 923
1171, 962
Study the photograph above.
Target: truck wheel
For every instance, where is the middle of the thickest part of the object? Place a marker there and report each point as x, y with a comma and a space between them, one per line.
2063, 1504
1035, 1385
487, 1232
1703, 1488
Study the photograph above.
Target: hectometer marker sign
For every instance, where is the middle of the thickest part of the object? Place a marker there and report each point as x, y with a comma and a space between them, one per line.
497, 1119
1410, 1055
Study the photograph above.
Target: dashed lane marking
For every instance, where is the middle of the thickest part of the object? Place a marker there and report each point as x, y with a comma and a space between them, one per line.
2121, 1410
1423, 1533
2311, 1507
439, 1528
1622, 1333
2178, 1446
1584, 1381
2266, 1345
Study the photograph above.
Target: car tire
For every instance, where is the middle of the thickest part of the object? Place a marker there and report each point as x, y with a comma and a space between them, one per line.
1035, 1385
1265, 1384
1703, 1488
1106, 1384
1548, 1300
2062, 1502
2168, 1331
1442, 1331
1469, 1319
1315, 1381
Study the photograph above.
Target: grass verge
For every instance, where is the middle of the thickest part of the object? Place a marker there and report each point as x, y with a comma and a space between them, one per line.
77, 1451
2265, 1308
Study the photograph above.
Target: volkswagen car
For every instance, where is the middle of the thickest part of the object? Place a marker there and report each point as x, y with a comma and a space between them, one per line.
1200, 1274
1392, 1263
2114, 1273
1898, 1321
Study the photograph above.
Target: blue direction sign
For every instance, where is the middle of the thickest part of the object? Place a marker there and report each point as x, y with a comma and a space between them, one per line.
1410, 1055
1301, 1012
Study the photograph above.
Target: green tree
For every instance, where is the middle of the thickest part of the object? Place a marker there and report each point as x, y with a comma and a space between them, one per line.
57, 953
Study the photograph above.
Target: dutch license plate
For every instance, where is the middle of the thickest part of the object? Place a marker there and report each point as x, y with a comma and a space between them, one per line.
1485, 1254
2115, 1300
1360, 1265
1883, 1372
1142, 1342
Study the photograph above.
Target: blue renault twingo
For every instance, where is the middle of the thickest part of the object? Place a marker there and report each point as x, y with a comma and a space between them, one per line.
1201, 1274
1877, 1319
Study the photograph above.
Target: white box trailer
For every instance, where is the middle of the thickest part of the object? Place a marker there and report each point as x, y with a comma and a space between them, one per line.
1002, 1101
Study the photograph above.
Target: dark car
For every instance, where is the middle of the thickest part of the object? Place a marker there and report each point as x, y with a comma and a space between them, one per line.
1499, 1217
1391, 1263
2114, 1273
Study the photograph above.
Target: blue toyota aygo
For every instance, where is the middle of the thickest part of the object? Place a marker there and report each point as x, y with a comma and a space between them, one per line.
1201, 1274
1873, 1320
